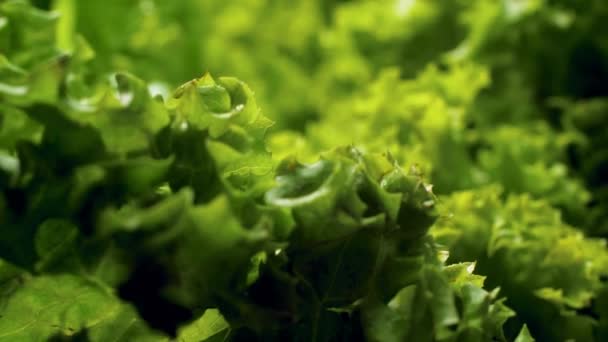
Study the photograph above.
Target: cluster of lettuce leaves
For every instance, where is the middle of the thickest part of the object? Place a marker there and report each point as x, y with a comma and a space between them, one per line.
136, 205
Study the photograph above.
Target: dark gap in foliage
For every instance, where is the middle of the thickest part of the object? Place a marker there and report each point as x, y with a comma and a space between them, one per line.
588, 311
594, 202
553, 116
269, 292
16, 200
372, 205
573, 156
144, 289
244, 335
42, 4
512, 327
598, 175
80, 336
587, 72
90, 208
193, 165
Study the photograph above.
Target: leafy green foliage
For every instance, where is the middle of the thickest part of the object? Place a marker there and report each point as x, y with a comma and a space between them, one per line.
41, 307
544, 267
129, 211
